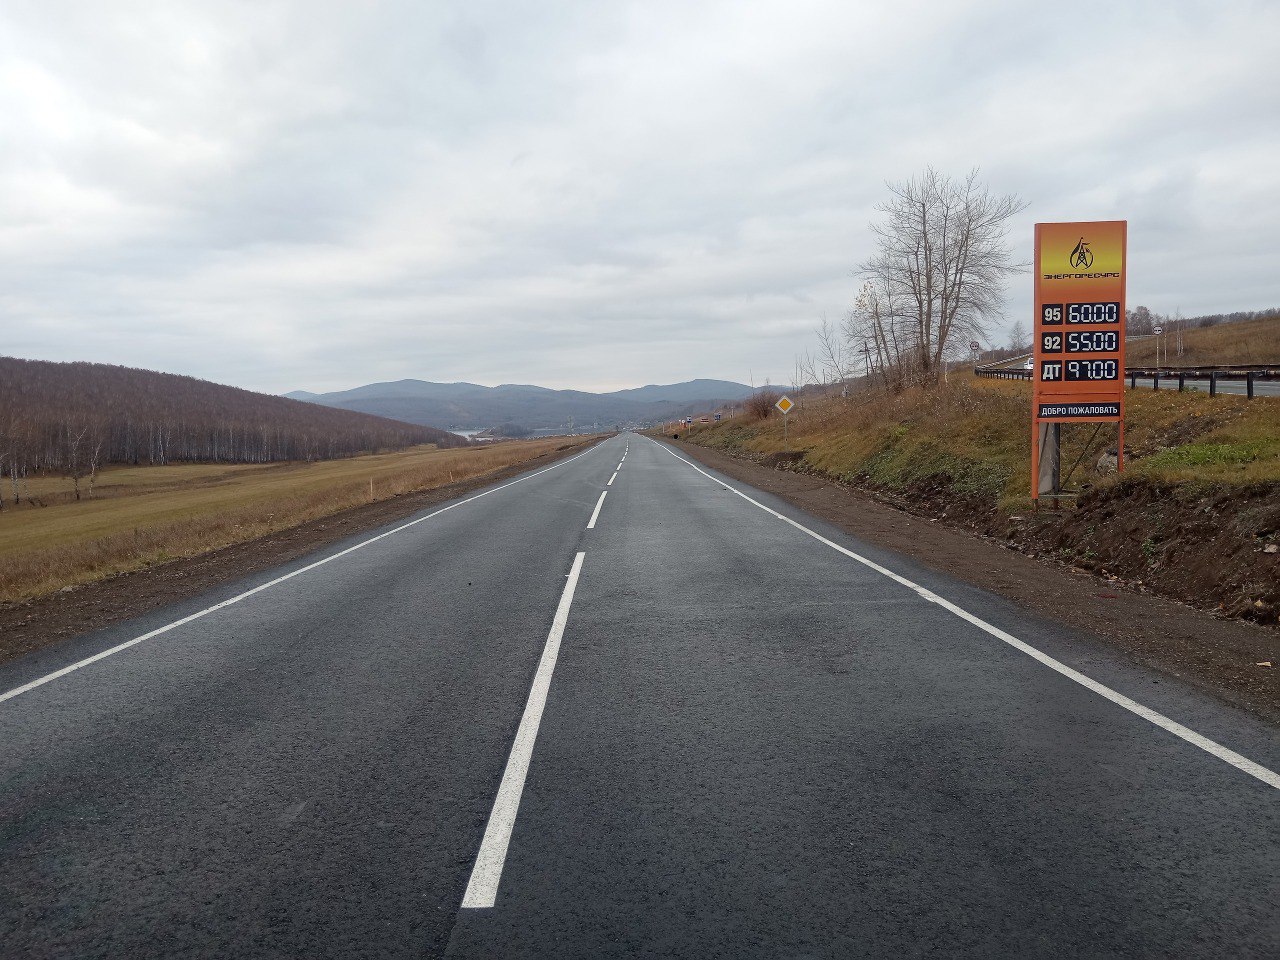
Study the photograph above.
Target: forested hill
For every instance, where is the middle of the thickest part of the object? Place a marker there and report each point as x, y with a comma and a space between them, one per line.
78, 416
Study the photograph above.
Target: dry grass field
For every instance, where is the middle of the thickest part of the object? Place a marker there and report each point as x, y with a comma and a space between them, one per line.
972, 436
1249, 341
140, 516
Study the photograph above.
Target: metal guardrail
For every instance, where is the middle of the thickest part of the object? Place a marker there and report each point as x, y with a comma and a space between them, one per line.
1003, 373
1006, 363
1213, 373
1224, 371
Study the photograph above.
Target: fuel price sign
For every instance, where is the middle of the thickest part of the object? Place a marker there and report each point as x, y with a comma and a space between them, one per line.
1079, 338
1079, 328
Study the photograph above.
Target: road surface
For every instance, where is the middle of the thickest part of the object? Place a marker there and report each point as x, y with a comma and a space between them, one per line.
621, 707
1261, 388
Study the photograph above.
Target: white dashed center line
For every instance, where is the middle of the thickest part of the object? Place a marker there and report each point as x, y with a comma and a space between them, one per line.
595, 514
482, 889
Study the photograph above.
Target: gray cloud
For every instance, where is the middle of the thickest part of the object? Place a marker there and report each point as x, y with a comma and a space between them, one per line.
590, 195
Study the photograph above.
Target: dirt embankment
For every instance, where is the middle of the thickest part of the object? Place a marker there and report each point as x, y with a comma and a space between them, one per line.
1212, 546
1086, 568
1215, 548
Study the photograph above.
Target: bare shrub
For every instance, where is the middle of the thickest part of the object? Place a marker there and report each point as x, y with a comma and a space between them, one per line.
760, 404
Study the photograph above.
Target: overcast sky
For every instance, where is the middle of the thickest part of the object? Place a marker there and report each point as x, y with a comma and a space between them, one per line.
592, 195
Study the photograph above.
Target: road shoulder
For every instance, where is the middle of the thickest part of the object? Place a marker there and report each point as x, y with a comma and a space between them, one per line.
1218, 656
31, 626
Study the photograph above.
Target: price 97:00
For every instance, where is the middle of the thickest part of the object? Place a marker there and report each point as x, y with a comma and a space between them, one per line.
1093, 370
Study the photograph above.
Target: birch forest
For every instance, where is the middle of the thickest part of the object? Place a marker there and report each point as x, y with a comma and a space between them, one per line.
74, 418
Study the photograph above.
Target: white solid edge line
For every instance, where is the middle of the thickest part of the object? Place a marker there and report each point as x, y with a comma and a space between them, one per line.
595, 514
482, 888
611, 479
40, 681
1242, 763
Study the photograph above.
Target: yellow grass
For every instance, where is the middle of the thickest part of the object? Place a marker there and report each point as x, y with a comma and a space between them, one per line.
1249, 341
140, 516
971, 437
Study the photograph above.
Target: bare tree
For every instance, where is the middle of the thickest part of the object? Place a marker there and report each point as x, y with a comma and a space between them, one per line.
833, 360
74, 438
806, 370
6, 456
942, 261
876, 330
1139, 321
93, 454
1018, 339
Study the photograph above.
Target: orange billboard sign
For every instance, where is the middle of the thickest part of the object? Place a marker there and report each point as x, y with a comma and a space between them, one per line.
1078, 365
1079, 322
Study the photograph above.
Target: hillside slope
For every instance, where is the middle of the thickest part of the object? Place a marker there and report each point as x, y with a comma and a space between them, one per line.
76, 417
1247, 341
446, 405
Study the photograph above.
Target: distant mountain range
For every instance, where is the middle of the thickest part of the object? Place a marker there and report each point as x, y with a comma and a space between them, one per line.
464, 405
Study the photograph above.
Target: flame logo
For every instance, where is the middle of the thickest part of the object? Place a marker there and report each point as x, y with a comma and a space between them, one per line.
1081, 255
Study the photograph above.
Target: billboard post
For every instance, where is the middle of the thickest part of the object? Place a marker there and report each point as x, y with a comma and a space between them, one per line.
1078, 376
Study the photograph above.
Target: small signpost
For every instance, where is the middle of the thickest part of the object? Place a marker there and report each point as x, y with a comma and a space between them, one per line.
785, 405
717, 418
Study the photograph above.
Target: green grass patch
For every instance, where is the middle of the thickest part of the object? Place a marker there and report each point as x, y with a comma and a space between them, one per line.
1210, 454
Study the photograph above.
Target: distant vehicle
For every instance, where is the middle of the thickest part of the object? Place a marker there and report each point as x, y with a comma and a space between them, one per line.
704, 419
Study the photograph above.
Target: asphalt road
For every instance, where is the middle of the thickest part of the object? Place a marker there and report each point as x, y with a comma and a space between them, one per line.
1261, 388
672, 722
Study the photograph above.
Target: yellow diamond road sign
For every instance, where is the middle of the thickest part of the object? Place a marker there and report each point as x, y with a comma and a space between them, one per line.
785, 404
